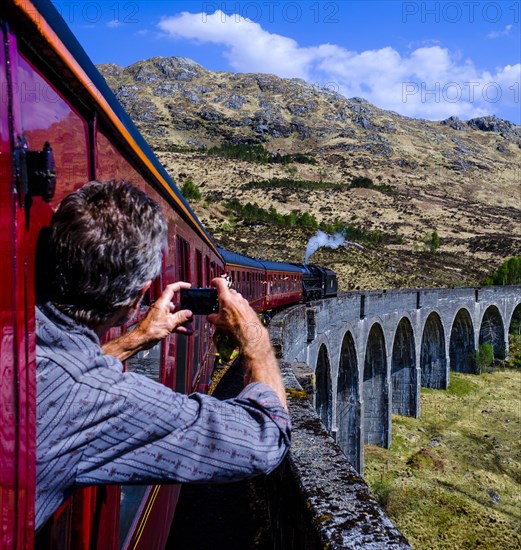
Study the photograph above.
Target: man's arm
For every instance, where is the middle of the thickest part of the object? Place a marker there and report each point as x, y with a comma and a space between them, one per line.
237, 319
163, 318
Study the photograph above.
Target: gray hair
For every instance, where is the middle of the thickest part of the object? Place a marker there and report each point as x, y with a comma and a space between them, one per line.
105, 244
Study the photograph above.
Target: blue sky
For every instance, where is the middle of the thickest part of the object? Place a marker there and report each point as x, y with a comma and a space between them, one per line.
422, 59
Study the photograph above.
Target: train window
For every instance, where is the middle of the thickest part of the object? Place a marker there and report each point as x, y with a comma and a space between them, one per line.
207, 269
47, 117
112, 165
147, 362
199, 268
132, 500
4, 120
183, 274
198, 320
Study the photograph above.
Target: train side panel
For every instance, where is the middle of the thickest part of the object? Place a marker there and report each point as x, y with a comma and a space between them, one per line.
283, 285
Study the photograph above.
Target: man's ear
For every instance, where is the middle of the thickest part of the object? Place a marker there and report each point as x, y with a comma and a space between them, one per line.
146, 286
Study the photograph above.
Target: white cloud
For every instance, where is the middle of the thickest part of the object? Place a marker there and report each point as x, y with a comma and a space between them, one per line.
430, 82
114, 23
498, 34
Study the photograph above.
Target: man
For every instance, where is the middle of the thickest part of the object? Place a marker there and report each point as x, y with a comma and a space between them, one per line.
98, 425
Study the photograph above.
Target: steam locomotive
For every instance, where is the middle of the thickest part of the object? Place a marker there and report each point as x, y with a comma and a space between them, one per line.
61, 126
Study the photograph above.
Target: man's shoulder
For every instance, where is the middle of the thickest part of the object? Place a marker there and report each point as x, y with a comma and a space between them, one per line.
63, 344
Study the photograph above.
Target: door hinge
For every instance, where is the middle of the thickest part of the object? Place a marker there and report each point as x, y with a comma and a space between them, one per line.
35, 171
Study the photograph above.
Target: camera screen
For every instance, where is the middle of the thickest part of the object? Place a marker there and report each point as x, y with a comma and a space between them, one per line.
201, 301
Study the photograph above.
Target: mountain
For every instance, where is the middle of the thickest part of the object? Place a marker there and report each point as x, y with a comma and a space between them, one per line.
394, 180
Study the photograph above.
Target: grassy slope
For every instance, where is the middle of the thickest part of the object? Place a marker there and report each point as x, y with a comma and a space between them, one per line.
441, 478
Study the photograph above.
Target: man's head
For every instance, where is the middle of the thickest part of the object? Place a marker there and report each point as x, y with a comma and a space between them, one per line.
105, 245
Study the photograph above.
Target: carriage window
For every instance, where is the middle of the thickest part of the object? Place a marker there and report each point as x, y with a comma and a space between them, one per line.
183, 274
207, 268
199, 268
147, 362
47, 117
132, 499
198, 320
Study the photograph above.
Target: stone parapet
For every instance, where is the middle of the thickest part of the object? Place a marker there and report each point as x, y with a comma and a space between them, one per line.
337, 510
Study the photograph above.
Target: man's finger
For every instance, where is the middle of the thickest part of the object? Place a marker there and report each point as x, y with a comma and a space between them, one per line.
176, 287
187, 330
220, 284
169, 291
183, 316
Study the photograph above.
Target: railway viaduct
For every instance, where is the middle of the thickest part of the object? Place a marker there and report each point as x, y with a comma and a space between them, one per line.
371, 352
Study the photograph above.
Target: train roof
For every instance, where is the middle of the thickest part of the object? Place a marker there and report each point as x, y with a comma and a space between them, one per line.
280, 266
49, 24
234, 258
310, 268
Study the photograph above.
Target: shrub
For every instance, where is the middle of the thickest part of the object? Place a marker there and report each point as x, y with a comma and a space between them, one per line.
509, 273
288, 183
190, 190
484, 357
383, 490
434, 242
362, 182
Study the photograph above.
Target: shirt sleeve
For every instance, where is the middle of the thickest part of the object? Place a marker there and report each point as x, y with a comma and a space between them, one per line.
143, 432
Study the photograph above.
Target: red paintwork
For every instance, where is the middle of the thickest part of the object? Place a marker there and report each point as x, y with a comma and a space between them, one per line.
282, 299
278, 296
8, 337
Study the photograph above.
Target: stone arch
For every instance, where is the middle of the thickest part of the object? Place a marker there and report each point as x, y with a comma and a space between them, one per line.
376, 399
492, 331
433, 359
324, 397
462, 343
403, 370
348, 402
514, 327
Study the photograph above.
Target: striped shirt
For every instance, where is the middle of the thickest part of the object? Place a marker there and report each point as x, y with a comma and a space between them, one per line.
98, 425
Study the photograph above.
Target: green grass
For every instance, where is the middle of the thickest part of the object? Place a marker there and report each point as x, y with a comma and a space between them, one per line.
460, 385
438, 479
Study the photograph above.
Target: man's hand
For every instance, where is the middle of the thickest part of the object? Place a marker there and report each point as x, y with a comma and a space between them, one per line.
163, 318
238, 320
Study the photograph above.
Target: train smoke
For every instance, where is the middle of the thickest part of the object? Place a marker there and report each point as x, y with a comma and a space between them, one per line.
321, 239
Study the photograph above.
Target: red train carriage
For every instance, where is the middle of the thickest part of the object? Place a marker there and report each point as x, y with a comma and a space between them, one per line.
248, 277
267, 285
57, 113
283, 285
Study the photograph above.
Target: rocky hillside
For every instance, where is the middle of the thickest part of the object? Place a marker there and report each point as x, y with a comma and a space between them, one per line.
344, 161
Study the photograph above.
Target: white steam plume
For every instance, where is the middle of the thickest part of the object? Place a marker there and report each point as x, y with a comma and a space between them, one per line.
321, 239
330, 241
